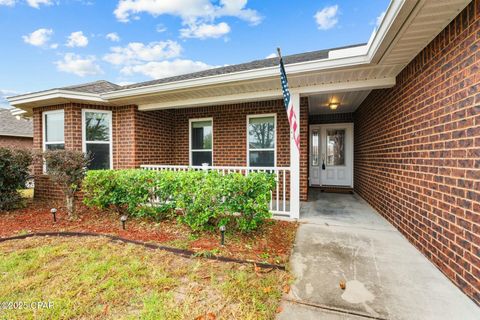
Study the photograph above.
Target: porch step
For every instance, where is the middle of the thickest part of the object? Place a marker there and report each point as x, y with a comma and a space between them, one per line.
335, 189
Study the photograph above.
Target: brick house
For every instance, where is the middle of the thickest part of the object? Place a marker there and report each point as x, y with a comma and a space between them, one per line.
397, 119
15, 131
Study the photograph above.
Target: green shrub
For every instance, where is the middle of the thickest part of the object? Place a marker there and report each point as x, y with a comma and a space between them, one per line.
207, 198
130, 191
249, 196
14, 172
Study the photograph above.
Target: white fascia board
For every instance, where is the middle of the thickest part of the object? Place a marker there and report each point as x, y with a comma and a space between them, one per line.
54, 94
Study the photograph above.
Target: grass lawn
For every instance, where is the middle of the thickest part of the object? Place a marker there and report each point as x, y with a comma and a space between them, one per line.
94, 278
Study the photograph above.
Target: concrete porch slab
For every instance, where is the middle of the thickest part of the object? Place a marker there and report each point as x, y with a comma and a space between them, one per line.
343, 238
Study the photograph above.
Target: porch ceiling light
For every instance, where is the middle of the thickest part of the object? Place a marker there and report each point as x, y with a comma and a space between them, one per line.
333, 105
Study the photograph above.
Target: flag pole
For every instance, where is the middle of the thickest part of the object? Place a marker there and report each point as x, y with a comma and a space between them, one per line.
292, 106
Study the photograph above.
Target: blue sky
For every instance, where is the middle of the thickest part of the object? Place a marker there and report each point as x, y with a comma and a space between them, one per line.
53, 43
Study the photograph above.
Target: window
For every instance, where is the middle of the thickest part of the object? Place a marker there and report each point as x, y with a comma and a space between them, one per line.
336, 147
201, 142
53, 130
97, 138
315, 147
261, 141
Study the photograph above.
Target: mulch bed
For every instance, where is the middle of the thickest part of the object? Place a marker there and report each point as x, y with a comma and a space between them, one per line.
272, 243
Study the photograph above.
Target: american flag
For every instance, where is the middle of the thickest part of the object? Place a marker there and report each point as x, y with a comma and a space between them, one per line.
292, 117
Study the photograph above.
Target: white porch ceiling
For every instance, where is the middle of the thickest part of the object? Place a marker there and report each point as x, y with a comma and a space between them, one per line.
349, 101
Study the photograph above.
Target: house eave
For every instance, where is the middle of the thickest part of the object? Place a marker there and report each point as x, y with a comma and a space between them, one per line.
54, 94
23, 104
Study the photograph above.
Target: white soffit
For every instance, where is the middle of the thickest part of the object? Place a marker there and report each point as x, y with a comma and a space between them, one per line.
349, 101
427, 20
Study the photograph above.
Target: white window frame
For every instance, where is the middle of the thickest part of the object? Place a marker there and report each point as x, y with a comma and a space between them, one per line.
190, 150
44, 132
84, 133
44, 127
265, 115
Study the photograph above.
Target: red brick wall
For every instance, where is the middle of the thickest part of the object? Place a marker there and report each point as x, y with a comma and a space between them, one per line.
155, 138
124, 137
16, 142
417, 151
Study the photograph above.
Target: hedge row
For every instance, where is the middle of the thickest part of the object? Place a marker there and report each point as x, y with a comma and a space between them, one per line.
206, 199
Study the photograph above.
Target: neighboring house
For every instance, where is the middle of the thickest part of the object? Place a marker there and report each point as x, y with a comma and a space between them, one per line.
396, 119
15, 131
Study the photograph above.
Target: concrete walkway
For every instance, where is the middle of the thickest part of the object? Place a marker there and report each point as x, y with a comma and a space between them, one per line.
343, 238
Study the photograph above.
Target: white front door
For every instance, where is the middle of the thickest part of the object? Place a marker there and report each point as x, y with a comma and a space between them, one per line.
331, 155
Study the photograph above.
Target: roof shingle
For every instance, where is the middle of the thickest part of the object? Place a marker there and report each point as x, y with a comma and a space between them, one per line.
10, 125
256, 64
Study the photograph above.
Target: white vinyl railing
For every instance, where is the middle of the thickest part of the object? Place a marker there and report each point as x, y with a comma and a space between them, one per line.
280, 203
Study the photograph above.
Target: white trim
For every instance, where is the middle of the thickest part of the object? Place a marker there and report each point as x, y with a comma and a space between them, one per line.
264, 115
54, 94
84, 139
44, 132
190, 150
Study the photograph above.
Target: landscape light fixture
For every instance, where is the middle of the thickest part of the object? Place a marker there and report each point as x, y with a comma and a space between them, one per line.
123, 219
333, 105
222, 230
53, 211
